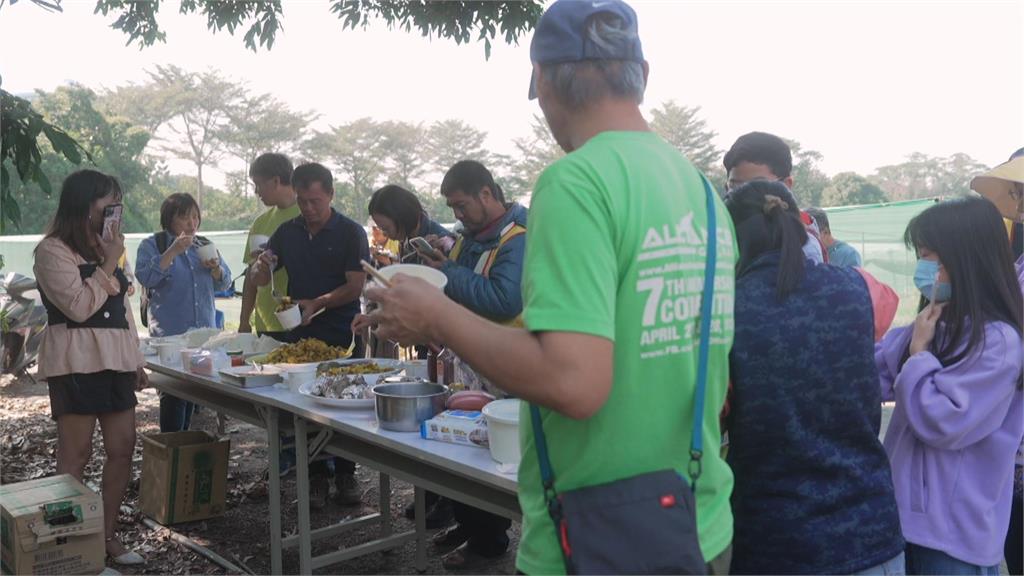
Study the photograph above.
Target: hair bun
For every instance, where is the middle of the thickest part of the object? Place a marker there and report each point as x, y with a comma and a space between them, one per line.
771, 202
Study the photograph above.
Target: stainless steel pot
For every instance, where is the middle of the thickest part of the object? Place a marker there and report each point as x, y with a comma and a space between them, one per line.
403, 406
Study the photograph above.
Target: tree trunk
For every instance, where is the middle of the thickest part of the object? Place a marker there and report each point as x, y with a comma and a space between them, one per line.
199, 186
247, 180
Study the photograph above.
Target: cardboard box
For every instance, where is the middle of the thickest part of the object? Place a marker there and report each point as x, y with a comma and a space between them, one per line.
51, 526
184, 476
465, 427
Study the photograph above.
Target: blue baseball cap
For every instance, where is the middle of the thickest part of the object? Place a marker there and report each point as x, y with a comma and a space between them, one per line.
561, 37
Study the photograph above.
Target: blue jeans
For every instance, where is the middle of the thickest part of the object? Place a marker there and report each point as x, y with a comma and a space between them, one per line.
895, 566
927, 562
1013, 550
175, 413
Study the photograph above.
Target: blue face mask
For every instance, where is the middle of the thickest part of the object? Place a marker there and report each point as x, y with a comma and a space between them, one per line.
924, 279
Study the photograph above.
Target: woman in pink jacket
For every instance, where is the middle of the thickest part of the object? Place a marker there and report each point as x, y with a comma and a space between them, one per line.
89, 355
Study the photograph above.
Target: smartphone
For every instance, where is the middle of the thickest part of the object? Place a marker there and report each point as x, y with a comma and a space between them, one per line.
424, 247
111, 216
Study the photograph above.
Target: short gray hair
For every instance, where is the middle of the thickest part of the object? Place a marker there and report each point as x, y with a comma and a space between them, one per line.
579, 84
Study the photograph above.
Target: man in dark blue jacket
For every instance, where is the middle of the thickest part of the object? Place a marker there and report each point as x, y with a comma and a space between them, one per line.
484, 270
485, 266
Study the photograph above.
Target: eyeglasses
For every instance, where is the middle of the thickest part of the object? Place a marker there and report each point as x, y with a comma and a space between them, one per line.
732, 184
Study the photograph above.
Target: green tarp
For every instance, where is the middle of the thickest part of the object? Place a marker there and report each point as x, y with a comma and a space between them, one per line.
876, 231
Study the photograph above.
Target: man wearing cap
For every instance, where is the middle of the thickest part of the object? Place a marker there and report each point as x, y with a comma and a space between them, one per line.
1004, 186
615, 255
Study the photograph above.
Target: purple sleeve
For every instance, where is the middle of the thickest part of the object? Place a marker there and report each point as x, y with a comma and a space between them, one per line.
1019, 265
888, 353
955, 406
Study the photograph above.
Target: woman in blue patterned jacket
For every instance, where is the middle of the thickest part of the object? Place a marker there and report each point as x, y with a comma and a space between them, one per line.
813, 492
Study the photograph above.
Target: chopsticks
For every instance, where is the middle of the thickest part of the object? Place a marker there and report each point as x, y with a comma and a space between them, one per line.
369, 269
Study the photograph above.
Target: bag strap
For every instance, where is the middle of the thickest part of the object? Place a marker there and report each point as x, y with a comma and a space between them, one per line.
163, 240
547, 474
711, 261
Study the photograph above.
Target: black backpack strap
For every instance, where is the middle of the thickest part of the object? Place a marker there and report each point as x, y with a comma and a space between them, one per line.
163, 240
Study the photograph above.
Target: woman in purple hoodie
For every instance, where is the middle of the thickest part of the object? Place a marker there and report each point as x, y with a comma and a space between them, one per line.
956, 378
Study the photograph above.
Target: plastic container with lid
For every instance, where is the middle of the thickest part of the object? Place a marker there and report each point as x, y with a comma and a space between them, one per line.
503, 430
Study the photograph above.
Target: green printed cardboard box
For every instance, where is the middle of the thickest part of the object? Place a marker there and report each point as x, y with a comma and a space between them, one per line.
184, 476
51, 525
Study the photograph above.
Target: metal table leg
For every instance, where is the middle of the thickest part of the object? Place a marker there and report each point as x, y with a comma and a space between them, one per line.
302, 487
421, 529
385, 505
274, 449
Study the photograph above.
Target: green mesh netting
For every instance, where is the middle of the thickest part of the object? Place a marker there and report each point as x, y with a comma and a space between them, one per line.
876, 231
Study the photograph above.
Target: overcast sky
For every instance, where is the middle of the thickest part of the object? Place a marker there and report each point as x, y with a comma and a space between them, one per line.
865, 83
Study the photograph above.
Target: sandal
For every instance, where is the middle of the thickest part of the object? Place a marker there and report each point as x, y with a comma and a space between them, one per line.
451, 537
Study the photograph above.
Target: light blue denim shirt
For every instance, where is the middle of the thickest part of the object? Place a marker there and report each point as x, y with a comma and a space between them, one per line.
842, 254
180, 297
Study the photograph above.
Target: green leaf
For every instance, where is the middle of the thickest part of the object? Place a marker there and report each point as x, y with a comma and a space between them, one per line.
11, 210
64, 144
43, 181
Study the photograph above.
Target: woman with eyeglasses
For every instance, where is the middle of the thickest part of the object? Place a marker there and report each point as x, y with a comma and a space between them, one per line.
400, 216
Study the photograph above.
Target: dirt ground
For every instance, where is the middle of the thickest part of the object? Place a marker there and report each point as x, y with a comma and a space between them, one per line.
28, 442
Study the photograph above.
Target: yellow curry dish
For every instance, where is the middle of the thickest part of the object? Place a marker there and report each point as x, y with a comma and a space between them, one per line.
305, 351
355, 368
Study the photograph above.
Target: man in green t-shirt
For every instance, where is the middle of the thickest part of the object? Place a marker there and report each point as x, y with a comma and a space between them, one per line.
612, 286
271, 173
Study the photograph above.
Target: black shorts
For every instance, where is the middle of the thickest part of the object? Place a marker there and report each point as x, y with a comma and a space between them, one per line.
94, 393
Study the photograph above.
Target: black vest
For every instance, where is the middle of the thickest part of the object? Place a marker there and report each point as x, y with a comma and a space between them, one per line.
111, 315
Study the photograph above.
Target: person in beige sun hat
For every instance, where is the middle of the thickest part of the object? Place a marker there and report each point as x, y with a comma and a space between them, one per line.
1004, 186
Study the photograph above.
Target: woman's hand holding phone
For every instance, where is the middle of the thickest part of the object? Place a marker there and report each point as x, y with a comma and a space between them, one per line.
430, 255
112, 247
111, 216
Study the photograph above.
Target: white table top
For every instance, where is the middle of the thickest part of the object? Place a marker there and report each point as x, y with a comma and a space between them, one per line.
475, 463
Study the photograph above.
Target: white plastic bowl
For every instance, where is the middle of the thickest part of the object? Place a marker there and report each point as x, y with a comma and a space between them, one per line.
257, 241
503, 430
207, 252
289, 317
435, 277
169, 352
299, 374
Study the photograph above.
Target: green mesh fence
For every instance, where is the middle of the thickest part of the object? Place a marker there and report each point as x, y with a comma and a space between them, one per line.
876, 231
